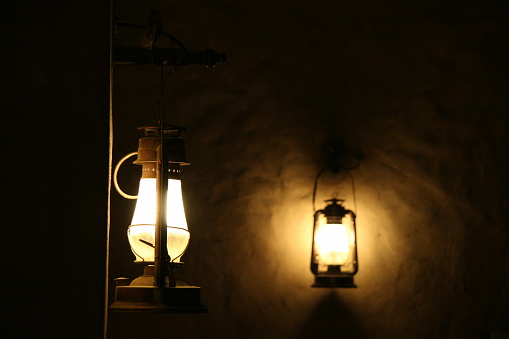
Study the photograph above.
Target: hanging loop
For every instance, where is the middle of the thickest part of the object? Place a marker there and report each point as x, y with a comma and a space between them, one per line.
334, 195
115, 181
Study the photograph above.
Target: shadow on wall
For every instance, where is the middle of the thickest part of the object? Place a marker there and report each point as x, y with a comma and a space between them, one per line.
331, 319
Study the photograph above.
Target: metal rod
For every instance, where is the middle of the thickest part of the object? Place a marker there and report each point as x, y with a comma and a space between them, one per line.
160, 251
160, 264
110, 167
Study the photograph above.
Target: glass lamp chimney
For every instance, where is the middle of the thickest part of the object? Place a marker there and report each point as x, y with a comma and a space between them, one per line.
141, 232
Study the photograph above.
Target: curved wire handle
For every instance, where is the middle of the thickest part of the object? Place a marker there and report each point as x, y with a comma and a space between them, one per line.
334, 152
315, 187
115, 181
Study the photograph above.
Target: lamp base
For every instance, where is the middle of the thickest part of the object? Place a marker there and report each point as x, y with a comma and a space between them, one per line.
179, 299
142, 296
331, 281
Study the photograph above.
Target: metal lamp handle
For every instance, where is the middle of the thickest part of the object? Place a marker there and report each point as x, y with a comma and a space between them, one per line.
115, 181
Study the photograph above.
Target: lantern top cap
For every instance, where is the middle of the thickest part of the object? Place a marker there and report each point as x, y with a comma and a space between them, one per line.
335, 209
171, 130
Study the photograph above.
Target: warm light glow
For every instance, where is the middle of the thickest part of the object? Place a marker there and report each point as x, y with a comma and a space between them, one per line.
141, 233
331, 244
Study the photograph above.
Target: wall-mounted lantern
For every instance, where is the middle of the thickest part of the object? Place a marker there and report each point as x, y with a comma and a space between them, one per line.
334, 247
158, 233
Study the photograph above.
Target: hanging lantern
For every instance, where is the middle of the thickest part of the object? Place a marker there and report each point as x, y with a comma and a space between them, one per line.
158, 233
334, 251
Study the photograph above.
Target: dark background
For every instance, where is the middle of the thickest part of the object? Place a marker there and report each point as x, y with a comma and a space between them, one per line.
417, 90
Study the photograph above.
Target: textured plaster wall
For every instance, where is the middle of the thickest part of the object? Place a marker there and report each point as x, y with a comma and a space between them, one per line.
418, 90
